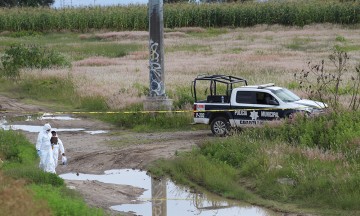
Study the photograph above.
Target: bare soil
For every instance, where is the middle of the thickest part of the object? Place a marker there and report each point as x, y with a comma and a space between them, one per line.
116, 149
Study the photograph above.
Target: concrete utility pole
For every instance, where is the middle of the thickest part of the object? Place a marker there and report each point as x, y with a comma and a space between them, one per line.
157, 99
158, 197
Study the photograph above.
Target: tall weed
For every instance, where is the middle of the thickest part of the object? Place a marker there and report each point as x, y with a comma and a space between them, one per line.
333, 131
15, 148
32, 174
21, 160
182, 98
47, 195
196, 169
306, 161
16, 199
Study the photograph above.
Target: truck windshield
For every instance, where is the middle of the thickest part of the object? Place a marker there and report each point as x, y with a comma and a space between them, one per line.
286, 95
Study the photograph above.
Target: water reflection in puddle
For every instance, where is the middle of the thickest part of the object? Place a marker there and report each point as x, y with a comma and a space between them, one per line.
51, 116
163, 198
36, 128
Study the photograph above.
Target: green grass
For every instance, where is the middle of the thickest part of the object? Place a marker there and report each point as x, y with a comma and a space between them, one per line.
41, 39
235, 50
310, 165
21, 163
196, 48
64, 201
71, 45
183, 100
340, 38
217, 175
59, 94
32, 174
53, 92
210, 32
149, 122
348, 48
300, 44
106, 49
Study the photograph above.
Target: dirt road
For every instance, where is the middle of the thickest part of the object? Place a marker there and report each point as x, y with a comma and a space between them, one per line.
115, 149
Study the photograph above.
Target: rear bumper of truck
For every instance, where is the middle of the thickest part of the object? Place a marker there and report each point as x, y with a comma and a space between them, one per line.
201, 121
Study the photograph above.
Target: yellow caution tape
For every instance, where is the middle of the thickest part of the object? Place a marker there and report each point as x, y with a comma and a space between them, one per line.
94, 112
142, 112
164, 199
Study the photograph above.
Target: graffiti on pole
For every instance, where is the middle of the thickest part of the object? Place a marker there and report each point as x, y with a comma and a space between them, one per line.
156, 31
156, 84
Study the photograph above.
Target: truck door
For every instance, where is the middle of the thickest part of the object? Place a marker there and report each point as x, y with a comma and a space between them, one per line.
254, 107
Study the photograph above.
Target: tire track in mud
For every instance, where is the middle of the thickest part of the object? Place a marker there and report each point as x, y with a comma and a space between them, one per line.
134, 155
117, 149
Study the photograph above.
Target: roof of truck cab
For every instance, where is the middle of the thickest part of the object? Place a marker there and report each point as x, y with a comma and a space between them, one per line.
263, 88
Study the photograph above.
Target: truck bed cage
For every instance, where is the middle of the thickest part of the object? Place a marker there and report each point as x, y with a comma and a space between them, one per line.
229, 81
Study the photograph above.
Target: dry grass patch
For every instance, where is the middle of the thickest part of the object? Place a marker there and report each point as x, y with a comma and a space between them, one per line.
190, 29
138, 55
267, 58
260, 56
96, 61
175, 35
275, 156
16, 200
321, 154
132, 35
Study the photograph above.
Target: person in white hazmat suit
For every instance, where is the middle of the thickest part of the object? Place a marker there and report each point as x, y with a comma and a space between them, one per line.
43, 146
56, 146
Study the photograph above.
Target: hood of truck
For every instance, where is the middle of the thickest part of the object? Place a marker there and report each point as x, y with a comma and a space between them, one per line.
311, 103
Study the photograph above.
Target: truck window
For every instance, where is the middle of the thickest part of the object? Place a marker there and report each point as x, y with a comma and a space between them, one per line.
250, 97
260, 98
264, 98
286, 95
247, 97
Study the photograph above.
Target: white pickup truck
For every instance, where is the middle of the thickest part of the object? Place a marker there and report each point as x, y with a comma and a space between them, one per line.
244, 105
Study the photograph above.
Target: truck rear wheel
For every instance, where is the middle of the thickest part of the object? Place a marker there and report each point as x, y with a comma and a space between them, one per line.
220, 126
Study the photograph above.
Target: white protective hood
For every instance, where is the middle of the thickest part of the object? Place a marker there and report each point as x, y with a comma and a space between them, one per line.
47, 127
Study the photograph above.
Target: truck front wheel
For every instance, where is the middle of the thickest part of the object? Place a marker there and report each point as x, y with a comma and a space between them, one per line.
220, 126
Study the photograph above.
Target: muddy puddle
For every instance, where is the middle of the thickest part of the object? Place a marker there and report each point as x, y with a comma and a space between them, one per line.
50, 116
164, 198
7, 125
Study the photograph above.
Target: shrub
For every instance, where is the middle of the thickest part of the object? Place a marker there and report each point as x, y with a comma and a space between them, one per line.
21, 56
15, 148
182, 98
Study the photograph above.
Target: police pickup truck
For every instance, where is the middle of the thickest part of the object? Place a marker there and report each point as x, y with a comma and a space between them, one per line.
230, 102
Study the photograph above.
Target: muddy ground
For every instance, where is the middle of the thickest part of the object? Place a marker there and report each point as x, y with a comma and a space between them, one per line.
95, 153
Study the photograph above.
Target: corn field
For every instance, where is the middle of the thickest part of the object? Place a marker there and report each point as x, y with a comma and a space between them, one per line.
135, 17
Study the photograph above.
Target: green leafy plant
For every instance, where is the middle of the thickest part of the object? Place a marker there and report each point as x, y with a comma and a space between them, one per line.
22, 56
